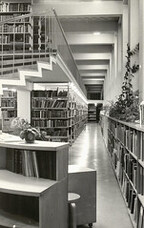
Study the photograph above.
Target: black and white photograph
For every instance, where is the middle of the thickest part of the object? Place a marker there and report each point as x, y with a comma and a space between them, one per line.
71, 113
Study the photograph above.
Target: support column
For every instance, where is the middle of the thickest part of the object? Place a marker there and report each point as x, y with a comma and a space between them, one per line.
124, 38
23, 104
0, 116
141, 49
133, 36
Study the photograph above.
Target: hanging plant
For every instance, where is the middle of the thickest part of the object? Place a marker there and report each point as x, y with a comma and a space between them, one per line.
127, 105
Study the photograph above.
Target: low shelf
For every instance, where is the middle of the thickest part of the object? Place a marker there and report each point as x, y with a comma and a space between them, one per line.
18, 184
8, 220
27, 200
125, 144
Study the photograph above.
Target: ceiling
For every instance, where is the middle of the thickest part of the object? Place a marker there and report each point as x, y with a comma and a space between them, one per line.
91, 39
91, 28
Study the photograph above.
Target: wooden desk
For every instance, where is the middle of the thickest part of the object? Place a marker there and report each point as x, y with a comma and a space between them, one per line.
33, 201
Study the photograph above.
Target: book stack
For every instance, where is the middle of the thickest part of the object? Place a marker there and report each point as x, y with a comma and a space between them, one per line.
23, 162
126, 148
31, 163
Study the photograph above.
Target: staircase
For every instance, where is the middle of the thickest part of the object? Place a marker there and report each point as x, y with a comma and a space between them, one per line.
24, 73
26, 47
39, 43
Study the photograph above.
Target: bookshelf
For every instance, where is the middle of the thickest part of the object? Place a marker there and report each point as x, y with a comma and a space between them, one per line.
125, 143
57, 110
91, 112
15, 35
8, 108
33, 201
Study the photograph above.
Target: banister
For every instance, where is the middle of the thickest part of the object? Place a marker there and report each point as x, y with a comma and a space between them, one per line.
48, 47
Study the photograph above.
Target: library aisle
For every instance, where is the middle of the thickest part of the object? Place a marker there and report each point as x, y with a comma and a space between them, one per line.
89, 151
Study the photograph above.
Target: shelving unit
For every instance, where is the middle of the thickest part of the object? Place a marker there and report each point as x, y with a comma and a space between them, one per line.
125, 143
91, 112
29, 201
9, 108
57, 111
13, 34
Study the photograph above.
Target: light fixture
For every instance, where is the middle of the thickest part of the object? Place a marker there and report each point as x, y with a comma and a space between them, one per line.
96, 33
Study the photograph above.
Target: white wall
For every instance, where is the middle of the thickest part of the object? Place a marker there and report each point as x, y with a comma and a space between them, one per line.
23, 104
134, 37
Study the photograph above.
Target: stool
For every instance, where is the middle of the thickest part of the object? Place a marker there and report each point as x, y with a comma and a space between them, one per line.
72, 199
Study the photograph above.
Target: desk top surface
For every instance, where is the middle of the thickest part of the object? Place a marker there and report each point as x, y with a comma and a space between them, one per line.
11, 141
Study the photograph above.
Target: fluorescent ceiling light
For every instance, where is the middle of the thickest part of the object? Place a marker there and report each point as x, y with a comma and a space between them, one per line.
93, 79
96, 33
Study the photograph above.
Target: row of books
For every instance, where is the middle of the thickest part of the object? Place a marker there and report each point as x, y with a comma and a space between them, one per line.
131, 138
125, 162
49, 103
51, 123
130, 167
9, 93
130, 197
57, 132
140, 184
8, 39
10, 7
22, 162
9, 114
50, 114
31, 163
50, 93
111, 142
15, 28
8, 103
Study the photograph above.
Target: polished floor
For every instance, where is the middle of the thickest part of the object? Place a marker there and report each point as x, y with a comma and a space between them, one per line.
89, 151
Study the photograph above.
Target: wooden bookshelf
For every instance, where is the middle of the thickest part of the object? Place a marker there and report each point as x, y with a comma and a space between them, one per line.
30, 201
15, 32
125, 143
8, 108
57, 111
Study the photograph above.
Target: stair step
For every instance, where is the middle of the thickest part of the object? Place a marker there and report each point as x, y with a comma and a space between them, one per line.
17, 76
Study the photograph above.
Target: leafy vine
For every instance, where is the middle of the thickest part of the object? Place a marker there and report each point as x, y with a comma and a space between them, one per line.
127, 105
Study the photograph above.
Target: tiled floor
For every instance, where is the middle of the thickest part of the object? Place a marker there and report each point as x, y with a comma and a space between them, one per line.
89, 150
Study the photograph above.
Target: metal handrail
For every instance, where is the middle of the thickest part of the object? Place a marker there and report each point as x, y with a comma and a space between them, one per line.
65, 37
80, 81
74, 70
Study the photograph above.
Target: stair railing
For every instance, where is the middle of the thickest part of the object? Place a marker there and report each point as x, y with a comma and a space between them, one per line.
24, 40
28, 38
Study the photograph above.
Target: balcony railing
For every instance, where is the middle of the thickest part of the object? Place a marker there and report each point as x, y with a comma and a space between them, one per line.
24, 40
28, 38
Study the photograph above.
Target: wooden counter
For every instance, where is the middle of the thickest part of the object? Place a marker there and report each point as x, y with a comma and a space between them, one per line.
33, 183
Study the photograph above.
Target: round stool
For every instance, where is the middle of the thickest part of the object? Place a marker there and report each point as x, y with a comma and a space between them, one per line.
72, 199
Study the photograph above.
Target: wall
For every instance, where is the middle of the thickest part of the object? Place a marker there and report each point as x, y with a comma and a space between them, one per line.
113, 81
23, 104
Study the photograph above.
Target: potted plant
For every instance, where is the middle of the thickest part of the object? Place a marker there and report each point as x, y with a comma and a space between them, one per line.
22, 128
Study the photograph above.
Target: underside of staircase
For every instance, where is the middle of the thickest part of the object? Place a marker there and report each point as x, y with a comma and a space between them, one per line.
27, 70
